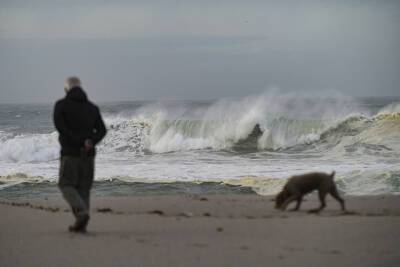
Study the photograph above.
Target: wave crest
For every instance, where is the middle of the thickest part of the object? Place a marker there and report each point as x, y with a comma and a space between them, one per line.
285, 123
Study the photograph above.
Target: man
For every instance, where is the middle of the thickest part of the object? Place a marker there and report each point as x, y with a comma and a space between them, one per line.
80, 128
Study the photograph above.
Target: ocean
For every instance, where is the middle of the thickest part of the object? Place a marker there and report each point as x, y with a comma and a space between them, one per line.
245, 146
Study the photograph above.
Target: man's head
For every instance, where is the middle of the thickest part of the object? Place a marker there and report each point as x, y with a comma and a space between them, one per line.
72, 82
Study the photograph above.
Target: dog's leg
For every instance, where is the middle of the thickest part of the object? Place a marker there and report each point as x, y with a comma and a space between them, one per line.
299, 200
334, 193
288, 200
322, 195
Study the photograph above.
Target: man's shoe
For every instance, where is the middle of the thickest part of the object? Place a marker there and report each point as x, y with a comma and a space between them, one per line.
80, 225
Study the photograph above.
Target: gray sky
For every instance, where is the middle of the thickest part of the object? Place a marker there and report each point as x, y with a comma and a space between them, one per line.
155, 49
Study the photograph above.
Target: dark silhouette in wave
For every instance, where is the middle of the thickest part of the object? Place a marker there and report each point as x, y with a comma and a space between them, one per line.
249, 143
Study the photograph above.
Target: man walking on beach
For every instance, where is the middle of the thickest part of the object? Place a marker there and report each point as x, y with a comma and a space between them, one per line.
80, 128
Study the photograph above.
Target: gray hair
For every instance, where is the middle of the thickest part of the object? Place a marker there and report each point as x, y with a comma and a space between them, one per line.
72, 82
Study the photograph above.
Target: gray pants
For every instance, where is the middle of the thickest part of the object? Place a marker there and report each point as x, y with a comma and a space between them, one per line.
75, 182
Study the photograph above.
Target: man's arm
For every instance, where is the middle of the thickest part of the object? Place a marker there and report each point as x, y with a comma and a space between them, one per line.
61, 126
100, 129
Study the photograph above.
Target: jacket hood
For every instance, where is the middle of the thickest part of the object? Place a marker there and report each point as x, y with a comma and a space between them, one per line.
77, 94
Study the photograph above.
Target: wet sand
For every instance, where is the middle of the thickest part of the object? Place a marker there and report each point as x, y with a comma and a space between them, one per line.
233, 230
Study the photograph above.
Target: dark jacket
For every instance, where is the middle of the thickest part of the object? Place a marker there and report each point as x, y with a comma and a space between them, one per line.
77, 119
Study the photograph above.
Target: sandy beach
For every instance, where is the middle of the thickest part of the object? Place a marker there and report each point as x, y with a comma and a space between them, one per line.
229, 230
180, 121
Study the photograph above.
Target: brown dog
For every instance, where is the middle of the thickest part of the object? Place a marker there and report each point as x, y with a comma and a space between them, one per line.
300, 185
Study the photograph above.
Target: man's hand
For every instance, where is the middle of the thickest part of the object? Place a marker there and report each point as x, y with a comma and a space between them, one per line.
88, 145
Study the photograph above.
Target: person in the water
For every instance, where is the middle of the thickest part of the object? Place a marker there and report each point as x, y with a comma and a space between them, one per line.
257, 132
249, 143
80, 128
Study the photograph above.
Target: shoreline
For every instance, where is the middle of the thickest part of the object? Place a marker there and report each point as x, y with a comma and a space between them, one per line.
225, 230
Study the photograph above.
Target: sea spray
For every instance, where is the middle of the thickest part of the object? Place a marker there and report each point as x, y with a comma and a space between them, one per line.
285, 121
267, 137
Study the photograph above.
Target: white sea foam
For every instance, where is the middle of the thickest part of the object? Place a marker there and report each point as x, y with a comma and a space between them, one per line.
167, 143
285, 120
29, 148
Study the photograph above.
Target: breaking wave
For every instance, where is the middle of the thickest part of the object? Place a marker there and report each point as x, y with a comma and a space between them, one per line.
272, 123
28, 147
253, 125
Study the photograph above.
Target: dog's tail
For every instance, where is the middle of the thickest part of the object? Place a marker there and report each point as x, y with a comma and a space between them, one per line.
333, 174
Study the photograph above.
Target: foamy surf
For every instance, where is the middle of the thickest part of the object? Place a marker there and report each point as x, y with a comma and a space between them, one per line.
255, 142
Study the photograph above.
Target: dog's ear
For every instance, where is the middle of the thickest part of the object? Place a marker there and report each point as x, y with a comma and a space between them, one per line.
333, 174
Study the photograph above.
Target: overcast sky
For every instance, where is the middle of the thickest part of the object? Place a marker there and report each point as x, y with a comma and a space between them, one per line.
192, 49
